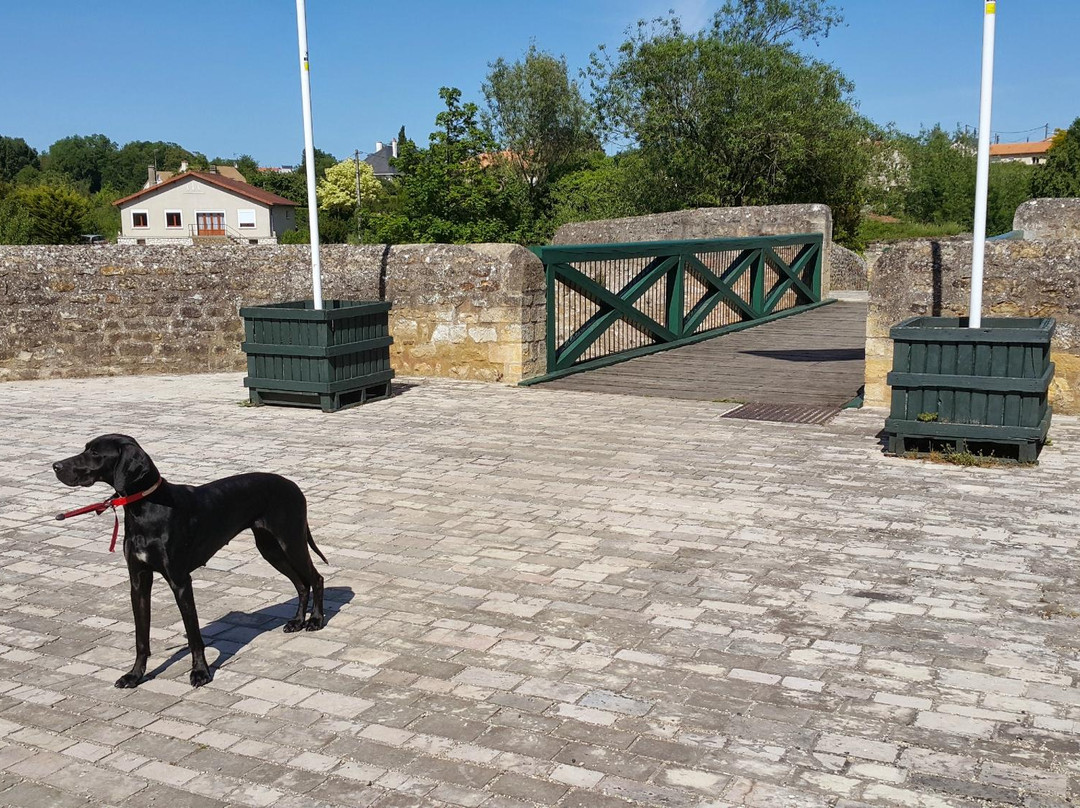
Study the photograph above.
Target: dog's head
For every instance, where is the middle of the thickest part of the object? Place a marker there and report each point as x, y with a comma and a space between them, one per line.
114, 459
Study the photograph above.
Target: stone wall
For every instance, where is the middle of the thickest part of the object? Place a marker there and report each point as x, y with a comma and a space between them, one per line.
847, 269
768, 220
1042, 219
473, 312
1021, 279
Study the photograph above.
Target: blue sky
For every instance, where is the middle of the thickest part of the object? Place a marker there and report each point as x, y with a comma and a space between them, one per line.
229, 83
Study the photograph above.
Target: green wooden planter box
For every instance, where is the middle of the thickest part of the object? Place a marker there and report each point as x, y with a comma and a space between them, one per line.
331, 358
983, 385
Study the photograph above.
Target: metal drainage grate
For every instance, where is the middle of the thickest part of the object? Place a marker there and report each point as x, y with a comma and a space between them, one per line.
783, 413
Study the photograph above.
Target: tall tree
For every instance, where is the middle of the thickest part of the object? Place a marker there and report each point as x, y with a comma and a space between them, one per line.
721, 121
942, 183
43, 214
772, 22
15, 155
126, 171
84, 160
453, 191
538, 115
337, 189
1059, 176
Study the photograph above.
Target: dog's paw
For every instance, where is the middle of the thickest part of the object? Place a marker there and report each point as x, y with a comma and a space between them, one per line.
293, 625
199, 678
128, 680
313, 624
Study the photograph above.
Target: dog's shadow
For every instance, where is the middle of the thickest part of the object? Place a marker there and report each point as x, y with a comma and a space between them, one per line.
229, 634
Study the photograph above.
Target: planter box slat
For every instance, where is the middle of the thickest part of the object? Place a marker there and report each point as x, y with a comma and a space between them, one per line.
987, 384
330, 358
316, 351
1001, 384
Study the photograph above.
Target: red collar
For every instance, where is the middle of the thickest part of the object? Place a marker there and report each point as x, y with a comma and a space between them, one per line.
114, 503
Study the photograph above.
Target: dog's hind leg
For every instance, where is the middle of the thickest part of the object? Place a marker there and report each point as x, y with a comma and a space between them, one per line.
271, 550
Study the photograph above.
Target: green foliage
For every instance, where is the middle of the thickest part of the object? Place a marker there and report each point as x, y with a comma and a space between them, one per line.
875, 230
291, 186
126, 170
942, 184
537, 113
1009, 187
85, 161
771, 22
43, 214
720, 121
102, 216
607, 188
337, 189
1059, 176
454, 191
15, 155
940, 189
323, 161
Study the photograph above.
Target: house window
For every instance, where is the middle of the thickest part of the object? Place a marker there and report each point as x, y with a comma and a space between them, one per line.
173, 219
140, 218
245, 218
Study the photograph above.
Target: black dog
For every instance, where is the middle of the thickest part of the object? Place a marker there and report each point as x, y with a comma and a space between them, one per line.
175, 529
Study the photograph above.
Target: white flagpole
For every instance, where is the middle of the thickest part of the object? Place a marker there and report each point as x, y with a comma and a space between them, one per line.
309, 153
982, 173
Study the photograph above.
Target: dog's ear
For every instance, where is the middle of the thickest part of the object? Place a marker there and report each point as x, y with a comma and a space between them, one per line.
134, 469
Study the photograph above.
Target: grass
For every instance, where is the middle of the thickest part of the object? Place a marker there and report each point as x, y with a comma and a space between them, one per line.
873, 230
969, 459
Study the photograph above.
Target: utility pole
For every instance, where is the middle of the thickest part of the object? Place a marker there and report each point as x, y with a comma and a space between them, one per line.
359, 199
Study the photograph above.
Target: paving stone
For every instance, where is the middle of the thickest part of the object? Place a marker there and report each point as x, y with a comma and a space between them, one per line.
708, 613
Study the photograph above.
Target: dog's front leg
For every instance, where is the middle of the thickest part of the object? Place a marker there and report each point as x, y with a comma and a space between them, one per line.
141, 581
185, 599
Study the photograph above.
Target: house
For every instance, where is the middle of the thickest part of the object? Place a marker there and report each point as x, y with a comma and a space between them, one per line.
197, 206
1028, 153
379, 160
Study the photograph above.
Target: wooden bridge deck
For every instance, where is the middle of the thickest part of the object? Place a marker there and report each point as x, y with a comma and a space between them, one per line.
813, 358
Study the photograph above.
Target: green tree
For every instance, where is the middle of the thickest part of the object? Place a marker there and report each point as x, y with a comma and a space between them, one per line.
453, 191
337, 188
15, 155
771, 22
85, 161
43, 214
126, 171
538, 115
719, 120
942, 184
1059, 176
609, 187
323, 161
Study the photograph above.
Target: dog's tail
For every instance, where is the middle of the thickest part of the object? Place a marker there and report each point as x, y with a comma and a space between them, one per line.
311, 544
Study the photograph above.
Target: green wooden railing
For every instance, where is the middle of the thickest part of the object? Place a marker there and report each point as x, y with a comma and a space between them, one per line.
610, 302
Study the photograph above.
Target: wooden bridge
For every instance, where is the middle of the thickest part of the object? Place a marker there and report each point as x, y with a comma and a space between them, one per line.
815, 358
642, 319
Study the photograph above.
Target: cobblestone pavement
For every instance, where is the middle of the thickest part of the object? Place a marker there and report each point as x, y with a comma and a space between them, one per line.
547, 598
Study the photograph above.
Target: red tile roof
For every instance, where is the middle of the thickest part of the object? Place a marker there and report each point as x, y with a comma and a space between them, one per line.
233, 186
1019, 149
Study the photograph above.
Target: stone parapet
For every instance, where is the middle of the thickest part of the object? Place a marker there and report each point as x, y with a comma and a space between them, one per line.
1042, 219
929, 277
472, 312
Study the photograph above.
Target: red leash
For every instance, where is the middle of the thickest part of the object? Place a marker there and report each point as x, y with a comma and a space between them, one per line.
114, 503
